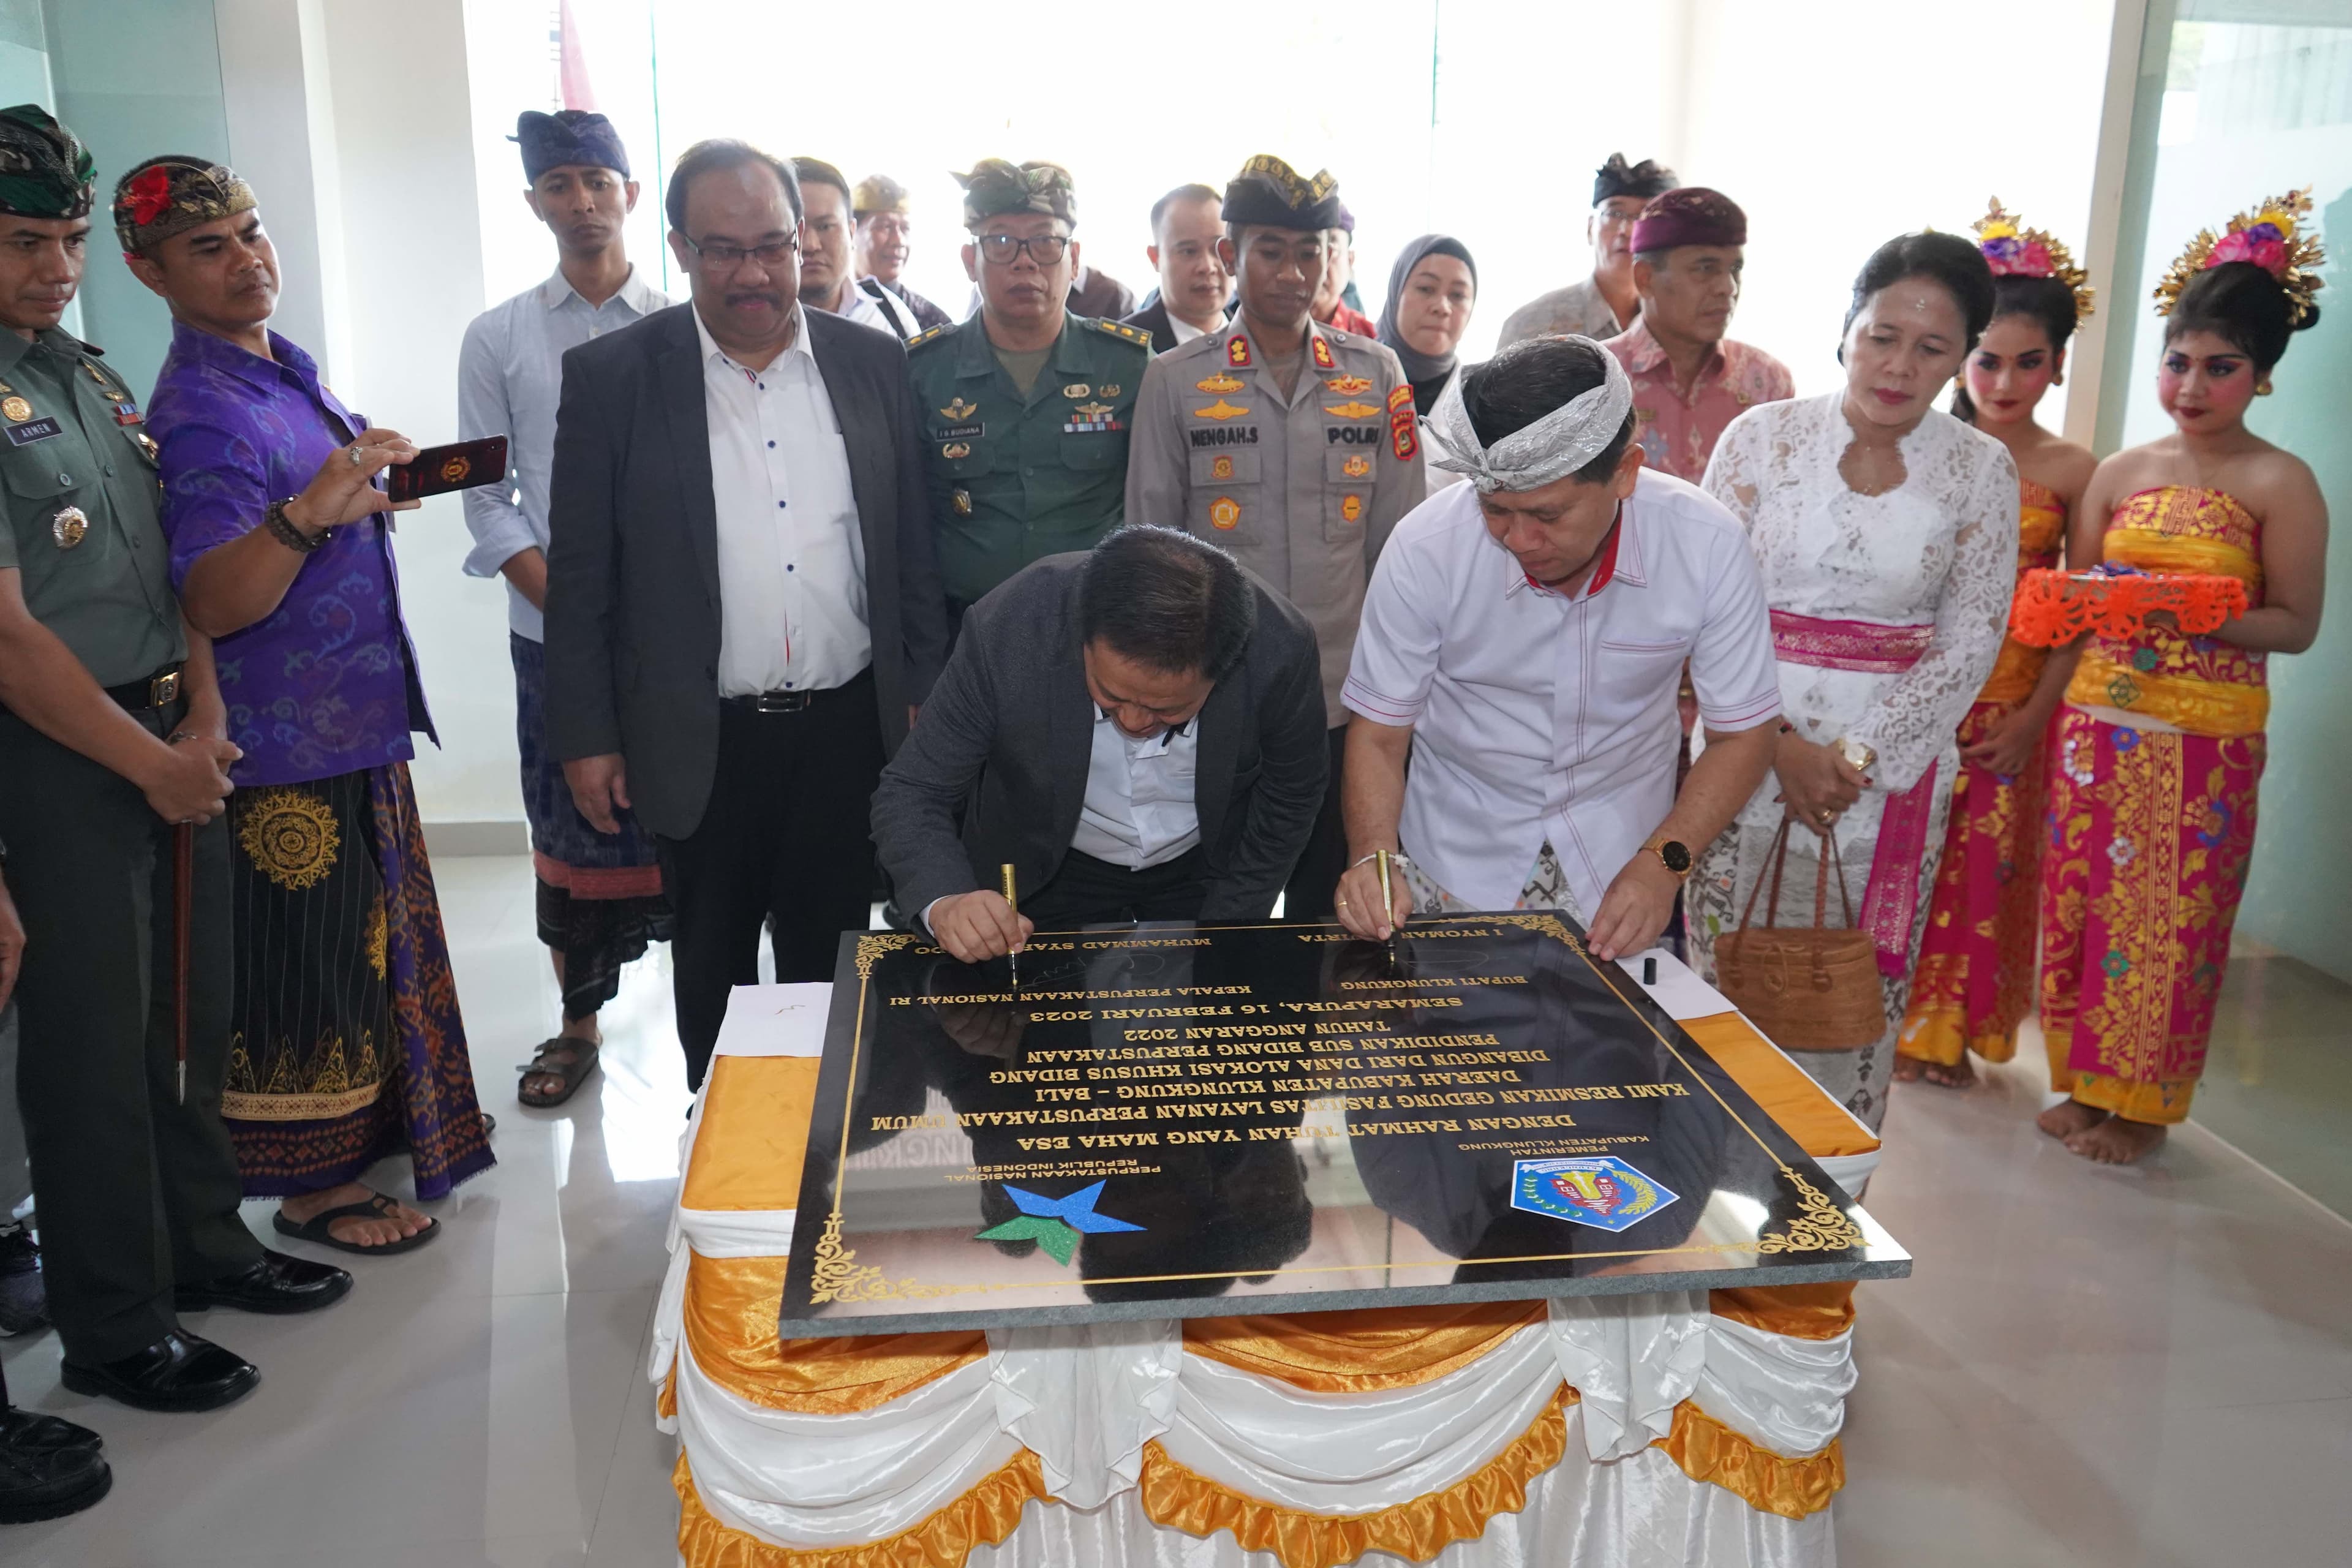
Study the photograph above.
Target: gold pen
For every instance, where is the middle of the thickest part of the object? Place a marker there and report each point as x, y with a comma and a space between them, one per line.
1013, 903
1388, 904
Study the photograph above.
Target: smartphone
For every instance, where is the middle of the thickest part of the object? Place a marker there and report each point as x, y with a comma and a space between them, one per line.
460, 465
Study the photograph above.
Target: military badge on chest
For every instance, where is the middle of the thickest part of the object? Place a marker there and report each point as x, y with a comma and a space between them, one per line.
23, 428
69, 527
1088, 416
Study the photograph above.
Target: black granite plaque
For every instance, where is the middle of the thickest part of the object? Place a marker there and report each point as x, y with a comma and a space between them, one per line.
1189, 1122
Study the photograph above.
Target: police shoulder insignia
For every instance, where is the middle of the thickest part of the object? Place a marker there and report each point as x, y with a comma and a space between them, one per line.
1238, 351
1122, 329
1399, 395
1322, 346
920, 339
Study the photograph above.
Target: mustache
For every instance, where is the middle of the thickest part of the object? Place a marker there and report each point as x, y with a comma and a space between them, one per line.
756, 297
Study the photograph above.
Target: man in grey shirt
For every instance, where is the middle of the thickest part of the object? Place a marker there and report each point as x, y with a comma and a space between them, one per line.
599, 895
1603, 304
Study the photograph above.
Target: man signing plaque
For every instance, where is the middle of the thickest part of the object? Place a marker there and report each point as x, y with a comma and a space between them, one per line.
1524, 636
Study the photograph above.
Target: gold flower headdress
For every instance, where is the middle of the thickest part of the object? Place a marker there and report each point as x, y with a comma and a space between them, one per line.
2266, 235
2015, 252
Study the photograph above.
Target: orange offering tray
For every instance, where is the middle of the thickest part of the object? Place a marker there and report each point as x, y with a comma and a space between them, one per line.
2054, 607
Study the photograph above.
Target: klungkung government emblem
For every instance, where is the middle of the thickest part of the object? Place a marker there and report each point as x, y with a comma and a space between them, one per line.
1605, 1193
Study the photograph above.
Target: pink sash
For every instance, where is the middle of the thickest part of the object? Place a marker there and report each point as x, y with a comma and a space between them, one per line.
1891, 897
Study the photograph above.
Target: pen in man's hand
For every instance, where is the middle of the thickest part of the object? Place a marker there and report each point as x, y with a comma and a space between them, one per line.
1013, 903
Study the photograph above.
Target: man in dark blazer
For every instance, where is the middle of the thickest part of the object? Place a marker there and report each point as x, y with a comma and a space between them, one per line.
742, 606
1138, 731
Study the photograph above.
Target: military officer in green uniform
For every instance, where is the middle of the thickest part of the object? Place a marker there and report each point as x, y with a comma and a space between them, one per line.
111, 732
1291, 443
1026, 406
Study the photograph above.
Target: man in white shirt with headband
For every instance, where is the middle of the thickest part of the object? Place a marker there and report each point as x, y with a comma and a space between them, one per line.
1523, 638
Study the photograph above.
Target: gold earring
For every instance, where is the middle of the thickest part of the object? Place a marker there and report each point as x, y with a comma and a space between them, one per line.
2263, 387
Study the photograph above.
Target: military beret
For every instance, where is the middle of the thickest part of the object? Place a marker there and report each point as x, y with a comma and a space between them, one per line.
1270, 194
568, 136
1618, 178
45, 171
1689, 215
995, 187
174, 193
877, 194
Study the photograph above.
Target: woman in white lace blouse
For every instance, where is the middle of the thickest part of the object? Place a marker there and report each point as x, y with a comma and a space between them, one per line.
1887, 531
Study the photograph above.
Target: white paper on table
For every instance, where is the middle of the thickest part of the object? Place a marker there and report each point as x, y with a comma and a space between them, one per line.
1679, 990
775, 1021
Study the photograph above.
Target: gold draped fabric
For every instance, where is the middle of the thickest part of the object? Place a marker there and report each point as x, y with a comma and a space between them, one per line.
755, 1117
1705, 1450
2041, 543
984, 1516
731, 1305
1357, 1352
1818, 1123
1793, 1312
1177, 1498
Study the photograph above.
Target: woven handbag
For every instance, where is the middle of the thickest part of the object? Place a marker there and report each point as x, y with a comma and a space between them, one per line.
1808, 988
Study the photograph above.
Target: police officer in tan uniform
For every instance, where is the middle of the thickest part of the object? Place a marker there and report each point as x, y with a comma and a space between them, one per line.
1291, 443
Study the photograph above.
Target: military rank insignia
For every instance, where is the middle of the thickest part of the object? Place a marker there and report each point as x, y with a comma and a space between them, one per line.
1237, 352
1403, 437
1225, 513
1322, 347
1220, 383
1350, 385
1088, 416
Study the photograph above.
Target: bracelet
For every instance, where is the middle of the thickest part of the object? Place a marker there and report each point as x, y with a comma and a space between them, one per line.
1396, 856
177, 736
283, 529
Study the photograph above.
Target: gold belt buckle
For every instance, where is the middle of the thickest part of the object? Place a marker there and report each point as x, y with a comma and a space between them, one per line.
165, 689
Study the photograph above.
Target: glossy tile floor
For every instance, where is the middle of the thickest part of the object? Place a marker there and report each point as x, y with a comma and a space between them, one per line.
2150, 1367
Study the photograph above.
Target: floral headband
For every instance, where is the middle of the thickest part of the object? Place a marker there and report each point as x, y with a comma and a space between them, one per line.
2266, 236
2014, 252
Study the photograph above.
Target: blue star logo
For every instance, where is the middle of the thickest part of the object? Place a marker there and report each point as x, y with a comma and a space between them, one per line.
1054, 1224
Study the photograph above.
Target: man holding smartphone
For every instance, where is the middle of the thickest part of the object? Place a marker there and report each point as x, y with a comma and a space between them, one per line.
599, 895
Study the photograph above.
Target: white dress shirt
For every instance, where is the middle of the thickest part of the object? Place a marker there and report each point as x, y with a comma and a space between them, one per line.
1185, 332
509, 379
1540, 716
791, 560
1139, 809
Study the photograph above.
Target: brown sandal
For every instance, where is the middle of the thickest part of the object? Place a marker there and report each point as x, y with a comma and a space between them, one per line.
560, 1057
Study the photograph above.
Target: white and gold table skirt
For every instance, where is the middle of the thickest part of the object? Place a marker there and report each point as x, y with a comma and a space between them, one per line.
1658, 1429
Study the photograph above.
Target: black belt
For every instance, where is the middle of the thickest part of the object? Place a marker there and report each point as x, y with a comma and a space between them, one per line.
158, 691
859, 686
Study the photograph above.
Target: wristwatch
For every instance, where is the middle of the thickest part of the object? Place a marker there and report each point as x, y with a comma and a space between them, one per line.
1857, 756
1672, 853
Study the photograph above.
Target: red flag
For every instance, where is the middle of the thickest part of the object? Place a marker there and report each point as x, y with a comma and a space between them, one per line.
578, 91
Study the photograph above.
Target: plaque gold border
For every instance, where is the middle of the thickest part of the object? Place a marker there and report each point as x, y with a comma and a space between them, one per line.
836, 1276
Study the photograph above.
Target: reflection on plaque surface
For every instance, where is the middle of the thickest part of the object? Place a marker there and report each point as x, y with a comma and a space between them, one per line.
1187, 1121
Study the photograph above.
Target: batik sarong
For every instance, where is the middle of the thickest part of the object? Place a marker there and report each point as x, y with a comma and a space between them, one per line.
1974, 984
347, 1042
2151, 825
599, 895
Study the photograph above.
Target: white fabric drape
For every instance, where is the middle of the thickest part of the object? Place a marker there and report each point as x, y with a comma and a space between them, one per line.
1087, 1397
1631, 1359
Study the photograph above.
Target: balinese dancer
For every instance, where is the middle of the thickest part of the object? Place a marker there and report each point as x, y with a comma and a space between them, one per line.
1974, 980
1887, 531
2159, 746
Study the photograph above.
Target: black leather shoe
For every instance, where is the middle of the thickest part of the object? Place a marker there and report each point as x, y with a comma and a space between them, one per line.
28, 1431
41, 1478
178, 1371
278, 1283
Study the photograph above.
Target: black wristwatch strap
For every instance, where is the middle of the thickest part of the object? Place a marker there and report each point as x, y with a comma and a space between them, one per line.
287, 534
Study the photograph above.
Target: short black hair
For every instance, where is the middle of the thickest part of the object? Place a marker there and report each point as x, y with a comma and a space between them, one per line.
2045, 301
1168, 600
718, 153
1535, 377
2239, 301
1181, 194
1946, 259
817, 171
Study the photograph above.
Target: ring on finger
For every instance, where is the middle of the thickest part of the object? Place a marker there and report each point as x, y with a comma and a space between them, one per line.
358, 457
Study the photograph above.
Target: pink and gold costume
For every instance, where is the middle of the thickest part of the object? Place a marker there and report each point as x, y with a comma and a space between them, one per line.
2151, 824
1974, 982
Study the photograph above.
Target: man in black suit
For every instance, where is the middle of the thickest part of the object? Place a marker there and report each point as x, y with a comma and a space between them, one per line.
1138, 731
1195, 287
742, 606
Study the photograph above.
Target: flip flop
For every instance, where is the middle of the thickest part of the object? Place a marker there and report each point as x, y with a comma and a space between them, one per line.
580, 1060
375, 1206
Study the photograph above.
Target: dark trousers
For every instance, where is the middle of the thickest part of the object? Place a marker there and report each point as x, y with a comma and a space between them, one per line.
1087, 891
785, 839
1308, 895
135, 1190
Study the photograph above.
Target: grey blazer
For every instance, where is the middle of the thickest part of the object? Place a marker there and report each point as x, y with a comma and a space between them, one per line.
633, 601
1010, 729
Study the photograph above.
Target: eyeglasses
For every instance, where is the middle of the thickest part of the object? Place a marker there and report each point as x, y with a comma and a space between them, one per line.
1045, 250
721, 258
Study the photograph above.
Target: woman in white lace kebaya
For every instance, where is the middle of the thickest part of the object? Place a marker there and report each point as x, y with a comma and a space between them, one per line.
1886, 532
